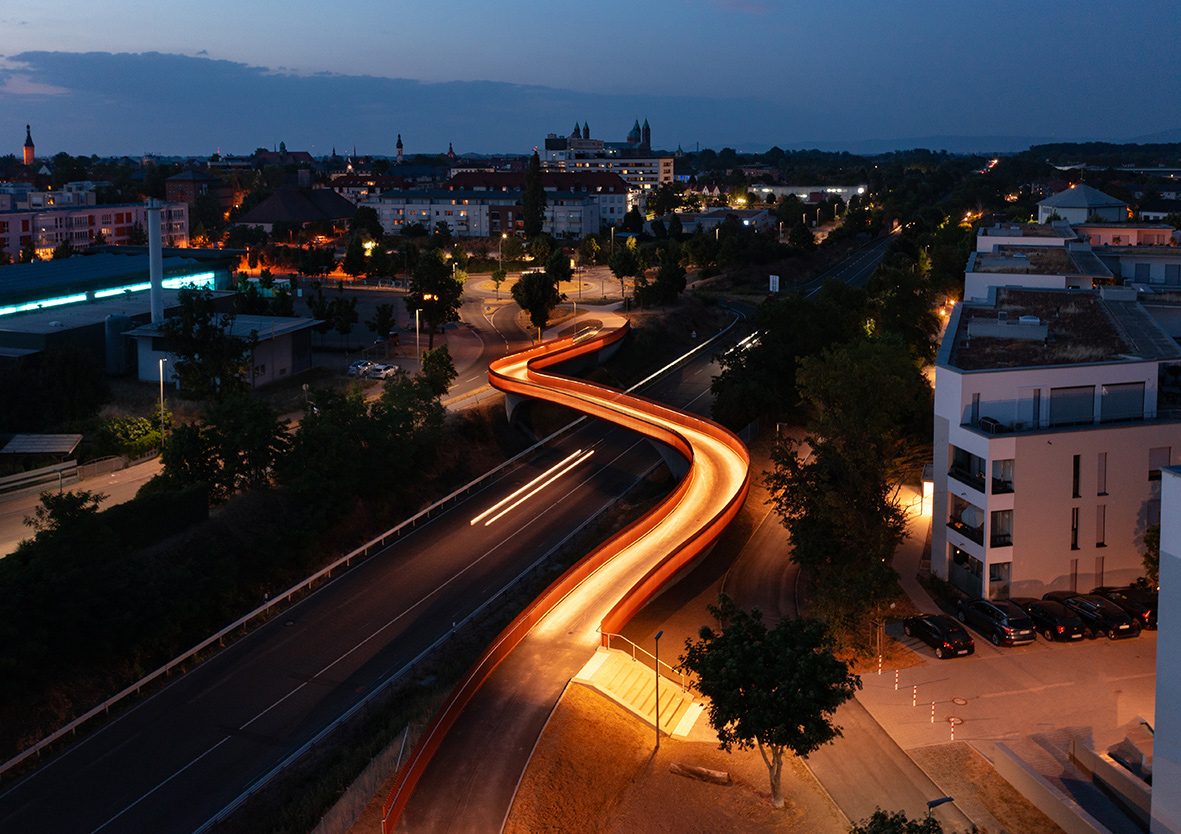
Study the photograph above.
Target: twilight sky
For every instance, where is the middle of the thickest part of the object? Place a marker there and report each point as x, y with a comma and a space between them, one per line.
182, 78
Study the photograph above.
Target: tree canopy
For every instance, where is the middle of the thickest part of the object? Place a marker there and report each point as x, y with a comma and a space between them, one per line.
434, 291
537, 294
533, 199
774, 688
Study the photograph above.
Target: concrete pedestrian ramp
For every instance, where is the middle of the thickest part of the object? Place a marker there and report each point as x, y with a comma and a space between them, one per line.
631, 683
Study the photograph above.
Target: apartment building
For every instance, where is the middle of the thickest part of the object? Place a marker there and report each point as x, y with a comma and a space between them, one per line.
610, 191
1081, 203
1166, 753
632, 159
46, 229
1055, 412
482, 213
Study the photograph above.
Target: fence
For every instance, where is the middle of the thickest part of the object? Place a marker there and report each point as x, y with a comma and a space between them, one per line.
36, 480
673, 673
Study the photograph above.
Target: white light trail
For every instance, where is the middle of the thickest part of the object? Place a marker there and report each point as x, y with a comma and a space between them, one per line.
527, 486
539, 487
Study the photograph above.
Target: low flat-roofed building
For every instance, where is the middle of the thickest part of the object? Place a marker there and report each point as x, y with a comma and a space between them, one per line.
1055, 411
283, 347
1036, 267
1125, 234
1056, 234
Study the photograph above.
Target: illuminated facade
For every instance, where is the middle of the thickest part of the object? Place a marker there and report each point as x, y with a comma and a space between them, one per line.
44, 230
29, 151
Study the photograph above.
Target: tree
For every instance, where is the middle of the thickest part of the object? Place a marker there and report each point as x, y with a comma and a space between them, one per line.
533, 199
537, 294
801, 237
63, 250
1151, 554
498, 276
354, 257
557, 266
435, 292
438, 371
136, 236
541, 247
633, 221
344, 315
61, 511
383, 320
624, 264
366, 223
771, 688
209, 359
885, 822
663, 199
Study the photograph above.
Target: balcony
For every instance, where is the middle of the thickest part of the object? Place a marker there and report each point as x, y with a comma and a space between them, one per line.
976, 534
1001, 486
965, 476
1000, 540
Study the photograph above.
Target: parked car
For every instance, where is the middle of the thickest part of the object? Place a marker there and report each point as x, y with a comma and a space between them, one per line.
1139, 602
942, 633
999, 620
381, 371
1101, 616
360, 367
1053, 620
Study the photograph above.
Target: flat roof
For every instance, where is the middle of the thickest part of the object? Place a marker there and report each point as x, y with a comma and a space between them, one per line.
41, 279
84, 314
1081, 328
1024, 260
265, 327
1043, 230
41, 444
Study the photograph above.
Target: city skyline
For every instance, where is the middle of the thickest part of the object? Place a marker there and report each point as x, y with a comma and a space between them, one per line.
724, 72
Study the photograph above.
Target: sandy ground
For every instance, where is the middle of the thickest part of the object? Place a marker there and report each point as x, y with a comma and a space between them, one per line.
594, 771
980, 791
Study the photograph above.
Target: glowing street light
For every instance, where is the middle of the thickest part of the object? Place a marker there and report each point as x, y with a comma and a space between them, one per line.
163, 359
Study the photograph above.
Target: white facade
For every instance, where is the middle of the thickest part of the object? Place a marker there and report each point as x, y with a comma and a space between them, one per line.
642, 173
484, 213
1046, 475
1166, 753
989, 238
44, 230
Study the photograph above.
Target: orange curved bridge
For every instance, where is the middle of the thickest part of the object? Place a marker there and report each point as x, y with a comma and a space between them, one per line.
607, 587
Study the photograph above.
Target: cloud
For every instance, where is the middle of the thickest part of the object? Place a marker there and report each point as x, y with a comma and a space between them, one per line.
178, 104
24, 85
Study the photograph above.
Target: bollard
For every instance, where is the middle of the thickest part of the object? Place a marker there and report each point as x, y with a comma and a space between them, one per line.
914, 699
932, 712
952, 723
896, 673
879, 664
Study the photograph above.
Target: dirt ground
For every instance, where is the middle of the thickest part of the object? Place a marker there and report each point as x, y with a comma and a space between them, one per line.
594, 771
980, 791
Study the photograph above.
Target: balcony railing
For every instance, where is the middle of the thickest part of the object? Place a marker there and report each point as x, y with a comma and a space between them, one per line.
965, 476
1000, 540
976, 534
1001, 487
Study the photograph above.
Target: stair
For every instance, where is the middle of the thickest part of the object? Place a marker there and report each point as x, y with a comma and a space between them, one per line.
632, 685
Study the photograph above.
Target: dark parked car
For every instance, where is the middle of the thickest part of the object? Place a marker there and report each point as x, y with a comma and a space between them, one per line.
999, 620
1139, 602
1053, 620
1101, 616
942, 633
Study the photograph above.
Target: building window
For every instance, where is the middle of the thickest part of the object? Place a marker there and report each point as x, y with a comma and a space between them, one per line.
1001, 528
1074, 406
1158, 458
1074, 528
1002, 476
1142, 272
1074, 476
1101, 474
1122, 402
1101, 526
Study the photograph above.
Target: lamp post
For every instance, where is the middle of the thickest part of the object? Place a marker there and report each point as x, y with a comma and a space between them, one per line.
163, 359
659, 634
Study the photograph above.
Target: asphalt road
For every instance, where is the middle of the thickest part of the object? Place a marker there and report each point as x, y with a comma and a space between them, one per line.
855, 270
179, 757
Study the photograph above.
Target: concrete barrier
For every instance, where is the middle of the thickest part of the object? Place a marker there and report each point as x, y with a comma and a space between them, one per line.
1131, 792
1068, 814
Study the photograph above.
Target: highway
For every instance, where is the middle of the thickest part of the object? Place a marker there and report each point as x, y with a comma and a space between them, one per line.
175, 760
500, 708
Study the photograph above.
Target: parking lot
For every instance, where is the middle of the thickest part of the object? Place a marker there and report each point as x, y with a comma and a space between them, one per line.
1096, 686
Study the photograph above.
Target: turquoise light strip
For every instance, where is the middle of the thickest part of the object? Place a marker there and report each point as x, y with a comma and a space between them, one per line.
198, 280
44, 302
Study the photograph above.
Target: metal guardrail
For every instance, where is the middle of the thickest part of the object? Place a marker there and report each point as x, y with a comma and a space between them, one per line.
59, 474
673, 673
345, 561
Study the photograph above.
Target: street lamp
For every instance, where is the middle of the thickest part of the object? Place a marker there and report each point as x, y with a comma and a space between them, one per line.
163, 359
659, 634
932, 804
426, 296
